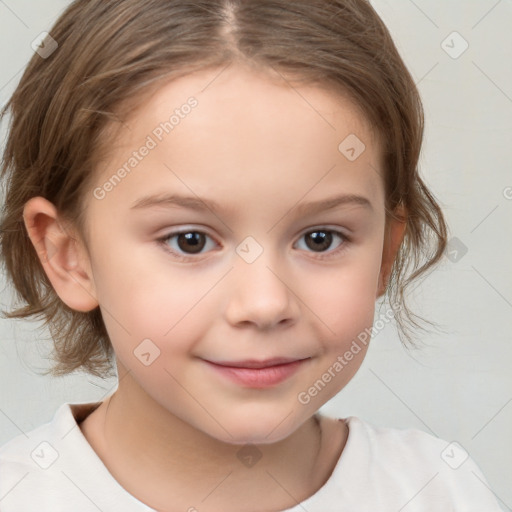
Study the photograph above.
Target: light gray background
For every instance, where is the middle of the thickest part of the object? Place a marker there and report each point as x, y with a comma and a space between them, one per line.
459, 386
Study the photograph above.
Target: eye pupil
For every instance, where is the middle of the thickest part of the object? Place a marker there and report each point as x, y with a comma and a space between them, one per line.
322, 240
192, 240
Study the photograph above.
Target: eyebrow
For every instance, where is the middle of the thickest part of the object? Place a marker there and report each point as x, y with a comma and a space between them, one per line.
333, 202
196, 203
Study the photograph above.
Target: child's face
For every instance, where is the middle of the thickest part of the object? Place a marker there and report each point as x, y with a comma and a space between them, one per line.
253, 283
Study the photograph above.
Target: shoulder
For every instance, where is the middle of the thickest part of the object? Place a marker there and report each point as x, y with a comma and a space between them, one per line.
409, 464
397, 445
41, 462
54, 469
25, 461
29, 450
38, 448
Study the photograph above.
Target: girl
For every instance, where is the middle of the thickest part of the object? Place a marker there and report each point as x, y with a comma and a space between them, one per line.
279, 141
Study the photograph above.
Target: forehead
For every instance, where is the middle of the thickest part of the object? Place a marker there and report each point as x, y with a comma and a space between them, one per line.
241, 128
244, 94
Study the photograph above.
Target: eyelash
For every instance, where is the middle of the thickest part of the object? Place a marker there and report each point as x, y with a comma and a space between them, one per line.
320, 256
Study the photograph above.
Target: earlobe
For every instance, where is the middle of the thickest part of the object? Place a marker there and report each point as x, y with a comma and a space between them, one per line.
393, 238
62, 256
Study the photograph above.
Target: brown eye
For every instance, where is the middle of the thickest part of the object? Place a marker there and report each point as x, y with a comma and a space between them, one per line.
319, 240
192, 242
184, 243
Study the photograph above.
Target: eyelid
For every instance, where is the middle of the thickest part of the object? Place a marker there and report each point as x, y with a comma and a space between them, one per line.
163, 240
326, 227
346, 240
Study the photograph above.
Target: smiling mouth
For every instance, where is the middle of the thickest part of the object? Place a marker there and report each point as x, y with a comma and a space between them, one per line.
253, 363
258, 374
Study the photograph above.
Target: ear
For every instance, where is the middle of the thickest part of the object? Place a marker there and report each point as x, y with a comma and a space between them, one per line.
393, 237
62, 255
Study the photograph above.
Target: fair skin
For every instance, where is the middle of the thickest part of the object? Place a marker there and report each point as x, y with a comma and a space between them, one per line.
171, 432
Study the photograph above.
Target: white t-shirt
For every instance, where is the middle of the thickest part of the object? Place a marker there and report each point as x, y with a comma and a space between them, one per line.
54, 469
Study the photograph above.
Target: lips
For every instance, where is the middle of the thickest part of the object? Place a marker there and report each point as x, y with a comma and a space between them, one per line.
257, 374
253, 363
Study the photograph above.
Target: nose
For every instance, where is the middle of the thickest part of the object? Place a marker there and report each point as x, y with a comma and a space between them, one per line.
260, 296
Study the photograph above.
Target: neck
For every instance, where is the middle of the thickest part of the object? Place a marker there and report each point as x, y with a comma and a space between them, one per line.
173, 462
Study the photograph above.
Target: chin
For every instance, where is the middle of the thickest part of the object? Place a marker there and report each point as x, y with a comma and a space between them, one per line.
256, 428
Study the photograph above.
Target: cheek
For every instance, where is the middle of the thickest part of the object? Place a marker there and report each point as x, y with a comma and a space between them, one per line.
347, 310
142, 300
345, 303
345, 295
144, 297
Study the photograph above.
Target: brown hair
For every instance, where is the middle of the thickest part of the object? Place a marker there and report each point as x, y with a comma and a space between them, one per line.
113, 52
